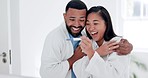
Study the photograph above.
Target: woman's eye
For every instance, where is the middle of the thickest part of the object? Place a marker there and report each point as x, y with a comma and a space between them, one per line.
95, 23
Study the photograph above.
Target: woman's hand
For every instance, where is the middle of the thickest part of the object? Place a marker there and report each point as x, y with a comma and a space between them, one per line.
86, 46
107, 48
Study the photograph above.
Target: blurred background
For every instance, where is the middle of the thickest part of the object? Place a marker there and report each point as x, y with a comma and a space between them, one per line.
24, 25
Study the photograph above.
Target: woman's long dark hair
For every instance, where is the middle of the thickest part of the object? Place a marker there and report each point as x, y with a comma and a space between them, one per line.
101, 11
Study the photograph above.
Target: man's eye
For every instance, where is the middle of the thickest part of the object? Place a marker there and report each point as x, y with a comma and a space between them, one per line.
87, 24
82, 20
71, 19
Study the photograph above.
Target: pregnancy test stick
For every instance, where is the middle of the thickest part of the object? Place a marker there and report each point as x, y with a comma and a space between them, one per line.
74, 39
117, 39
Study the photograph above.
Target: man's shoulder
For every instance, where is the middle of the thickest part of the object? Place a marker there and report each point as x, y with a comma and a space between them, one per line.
57, 33
58, 30
54, 33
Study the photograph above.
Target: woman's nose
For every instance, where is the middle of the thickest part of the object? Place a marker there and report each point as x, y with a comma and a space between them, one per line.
91, 28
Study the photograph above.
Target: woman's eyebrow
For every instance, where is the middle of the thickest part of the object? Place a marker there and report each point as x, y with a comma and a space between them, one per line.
95, 20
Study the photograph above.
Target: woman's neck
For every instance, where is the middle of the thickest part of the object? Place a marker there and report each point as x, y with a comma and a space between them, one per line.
100, 42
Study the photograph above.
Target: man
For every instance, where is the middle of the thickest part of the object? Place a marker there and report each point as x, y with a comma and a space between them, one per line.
60, 52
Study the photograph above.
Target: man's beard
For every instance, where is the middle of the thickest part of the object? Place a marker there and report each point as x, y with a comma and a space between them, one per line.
74, 34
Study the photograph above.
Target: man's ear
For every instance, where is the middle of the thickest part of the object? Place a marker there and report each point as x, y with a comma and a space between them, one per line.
64, 15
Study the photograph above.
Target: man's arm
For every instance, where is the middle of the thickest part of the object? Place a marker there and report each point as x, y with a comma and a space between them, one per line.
124, 47
51, 59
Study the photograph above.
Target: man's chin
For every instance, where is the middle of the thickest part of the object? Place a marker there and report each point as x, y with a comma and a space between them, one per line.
75, 34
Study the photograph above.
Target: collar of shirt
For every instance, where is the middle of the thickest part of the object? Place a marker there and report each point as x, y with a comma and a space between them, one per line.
75, 43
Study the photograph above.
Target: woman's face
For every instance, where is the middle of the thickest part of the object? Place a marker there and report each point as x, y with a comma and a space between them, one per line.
95, 26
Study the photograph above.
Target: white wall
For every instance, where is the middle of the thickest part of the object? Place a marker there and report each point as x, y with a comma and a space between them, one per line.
112, 6
37, 19
13, 76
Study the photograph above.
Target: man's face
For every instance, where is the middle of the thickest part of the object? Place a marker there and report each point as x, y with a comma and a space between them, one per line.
75, 21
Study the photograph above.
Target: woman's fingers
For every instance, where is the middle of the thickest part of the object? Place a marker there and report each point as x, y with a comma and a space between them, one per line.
85, 41
113, 45
86, 44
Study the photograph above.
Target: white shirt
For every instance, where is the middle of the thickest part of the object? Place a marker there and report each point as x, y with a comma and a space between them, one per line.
55, 53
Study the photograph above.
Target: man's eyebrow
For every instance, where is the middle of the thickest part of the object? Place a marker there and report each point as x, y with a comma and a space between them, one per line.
75, 17
82, 17
72, 17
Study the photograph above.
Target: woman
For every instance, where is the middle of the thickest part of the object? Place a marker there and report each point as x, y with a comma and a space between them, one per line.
105, 62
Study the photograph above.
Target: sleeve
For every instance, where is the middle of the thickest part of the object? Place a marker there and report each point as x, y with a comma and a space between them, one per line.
79, 68
113, 67
52, 66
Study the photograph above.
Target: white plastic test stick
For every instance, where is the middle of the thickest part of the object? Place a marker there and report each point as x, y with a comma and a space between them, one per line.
76, 39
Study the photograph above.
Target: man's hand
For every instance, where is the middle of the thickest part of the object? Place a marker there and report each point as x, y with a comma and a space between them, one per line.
78, 53
124, 47
76, 56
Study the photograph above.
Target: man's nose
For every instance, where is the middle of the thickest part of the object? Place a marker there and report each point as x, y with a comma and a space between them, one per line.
77, 23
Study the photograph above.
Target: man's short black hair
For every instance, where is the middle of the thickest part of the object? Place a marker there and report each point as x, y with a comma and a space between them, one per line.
76, 4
